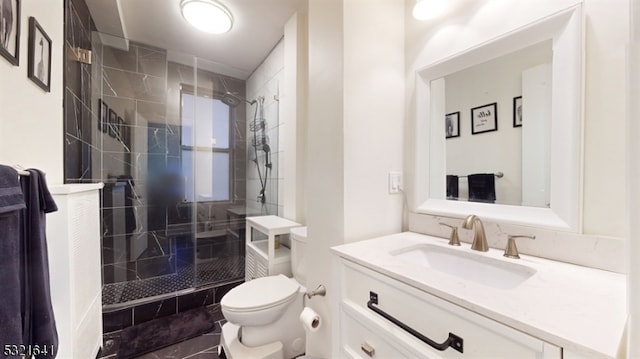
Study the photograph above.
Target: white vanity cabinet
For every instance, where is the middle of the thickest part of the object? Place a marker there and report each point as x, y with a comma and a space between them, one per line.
361, 332
73, 236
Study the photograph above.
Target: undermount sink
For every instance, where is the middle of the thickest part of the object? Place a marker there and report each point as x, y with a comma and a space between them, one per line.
469, 266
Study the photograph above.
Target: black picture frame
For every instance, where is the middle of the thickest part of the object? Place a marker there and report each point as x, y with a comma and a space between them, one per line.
452, 125
39, 70
103, 116
10, 30
120, 129
517, 111
484, 118
113, 123
124, 134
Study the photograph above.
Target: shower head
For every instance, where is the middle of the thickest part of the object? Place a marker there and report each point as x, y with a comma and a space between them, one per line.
233, 100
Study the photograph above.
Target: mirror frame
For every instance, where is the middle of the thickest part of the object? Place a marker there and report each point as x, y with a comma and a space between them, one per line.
565, 29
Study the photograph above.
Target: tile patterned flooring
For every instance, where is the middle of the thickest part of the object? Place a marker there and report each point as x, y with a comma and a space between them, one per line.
202, 347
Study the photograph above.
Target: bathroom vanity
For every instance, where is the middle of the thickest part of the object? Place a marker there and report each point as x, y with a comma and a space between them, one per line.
470, 304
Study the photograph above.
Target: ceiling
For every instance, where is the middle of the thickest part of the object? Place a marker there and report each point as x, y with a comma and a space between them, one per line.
258, 26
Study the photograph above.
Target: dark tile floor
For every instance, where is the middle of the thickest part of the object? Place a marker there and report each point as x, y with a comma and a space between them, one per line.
202, 347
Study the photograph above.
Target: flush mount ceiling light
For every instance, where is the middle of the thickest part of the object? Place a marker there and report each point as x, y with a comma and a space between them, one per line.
207, 15
429, 9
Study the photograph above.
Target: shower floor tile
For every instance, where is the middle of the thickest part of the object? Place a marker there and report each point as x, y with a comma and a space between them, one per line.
208, 272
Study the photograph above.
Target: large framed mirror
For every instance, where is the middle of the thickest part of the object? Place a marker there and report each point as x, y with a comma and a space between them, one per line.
469, 126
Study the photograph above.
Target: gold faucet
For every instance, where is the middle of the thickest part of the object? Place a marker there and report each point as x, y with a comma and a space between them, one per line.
479, 238
511, 251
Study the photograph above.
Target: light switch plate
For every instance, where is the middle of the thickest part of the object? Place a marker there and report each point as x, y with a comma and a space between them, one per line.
395, 182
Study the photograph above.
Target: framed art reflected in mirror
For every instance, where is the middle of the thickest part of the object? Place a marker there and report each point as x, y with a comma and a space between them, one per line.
517, 111
484, 118
452, 125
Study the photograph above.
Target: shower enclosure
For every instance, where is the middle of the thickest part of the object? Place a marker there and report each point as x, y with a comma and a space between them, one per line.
174, 176
173, 140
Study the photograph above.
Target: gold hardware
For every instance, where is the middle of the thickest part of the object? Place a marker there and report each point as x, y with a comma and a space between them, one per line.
479, 237
511, 251
321, 290
82, 55
453, 237
368, 349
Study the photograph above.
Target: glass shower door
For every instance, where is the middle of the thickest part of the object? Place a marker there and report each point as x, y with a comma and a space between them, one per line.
213, 160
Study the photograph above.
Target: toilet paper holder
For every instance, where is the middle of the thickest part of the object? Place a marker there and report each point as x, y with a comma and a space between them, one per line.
320, 290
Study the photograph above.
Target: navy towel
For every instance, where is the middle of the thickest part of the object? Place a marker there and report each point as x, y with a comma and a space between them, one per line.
452, 187
11, 273
482, 187
39, 322
11, 198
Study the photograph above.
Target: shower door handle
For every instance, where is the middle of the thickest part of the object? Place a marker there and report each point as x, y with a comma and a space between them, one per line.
184, 192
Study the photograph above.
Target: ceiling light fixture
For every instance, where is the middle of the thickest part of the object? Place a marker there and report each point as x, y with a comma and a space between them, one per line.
429, 9
207, 15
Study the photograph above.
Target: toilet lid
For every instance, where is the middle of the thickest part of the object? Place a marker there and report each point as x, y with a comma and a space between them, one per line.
260, 293
300, 233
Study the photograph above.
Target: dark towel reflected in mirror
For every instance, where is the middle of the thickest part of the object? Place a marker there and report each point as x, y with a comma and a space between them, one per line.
482, 187
452, 187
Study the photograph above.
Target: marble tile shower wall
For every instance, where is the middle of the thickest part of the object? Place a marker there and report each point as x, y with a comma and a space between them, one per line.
147, 229
265, 82
135, 168
83, 155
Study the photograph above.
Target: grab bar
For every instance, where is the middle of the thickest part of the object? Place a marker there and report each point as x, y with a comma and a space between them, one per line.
452, 341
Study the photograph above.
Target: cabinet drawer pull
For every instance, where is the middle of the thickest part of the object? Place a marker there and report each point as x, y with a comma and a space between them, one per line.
452, 341
368, 349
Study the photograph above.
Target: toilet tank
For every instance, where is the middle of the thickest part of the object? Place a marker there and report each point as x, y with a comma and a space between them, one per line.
298, 254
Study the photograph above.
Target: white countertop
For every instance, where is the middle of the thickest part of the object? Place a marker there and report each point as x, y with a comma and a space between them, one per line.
578, 308
74, 188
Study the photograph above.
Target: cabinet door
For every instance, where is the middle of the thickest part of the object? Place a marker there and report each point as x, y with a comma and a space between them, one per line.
363, 338
432, 317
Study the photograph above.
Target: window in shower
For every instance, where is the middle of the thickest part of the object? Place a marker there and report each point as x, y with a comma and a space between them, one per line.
206, 148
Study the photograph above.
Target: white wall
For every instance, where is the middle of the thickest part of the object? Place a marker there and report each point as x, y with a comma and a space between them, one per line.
606, 23
499, 80
266, 81
31, 120
633, 207
294, 113
354, 134
325, 156
373, 116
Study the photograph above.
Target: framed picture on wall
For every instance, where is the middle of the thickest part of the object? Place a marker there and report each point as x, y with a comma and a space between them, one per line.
10, 30
484, 118
452, 124
124, 134
113, 123
120, 129
39, 70
517, 111
103, 116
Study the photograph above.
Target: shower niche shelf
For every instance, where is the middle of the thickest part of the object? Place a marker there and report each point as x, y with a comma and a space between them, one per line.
267, 251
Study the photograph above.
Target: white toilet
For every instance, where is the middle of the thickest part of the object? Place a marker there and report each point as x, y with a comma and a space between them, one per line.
263, 314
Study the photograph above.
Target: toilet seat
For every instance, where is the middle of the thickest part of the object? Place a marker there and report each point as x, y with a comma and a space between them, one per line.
261, 293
